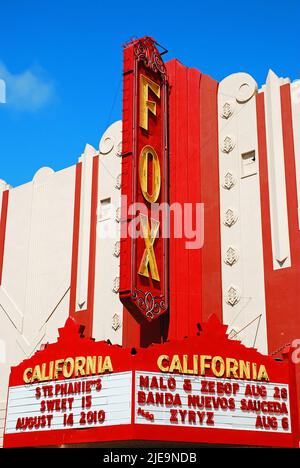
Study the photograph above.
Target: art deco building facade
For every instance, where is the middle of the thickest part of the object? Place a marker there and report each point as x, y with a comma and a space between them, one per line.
233, 147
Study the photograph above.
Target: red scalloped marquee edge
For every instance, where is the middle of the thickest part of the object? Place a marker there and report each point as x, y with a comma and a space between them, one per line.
212, 340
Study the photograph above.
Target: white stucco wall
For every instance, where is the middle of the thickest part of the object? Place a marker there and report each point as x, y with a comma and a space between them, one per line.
34, 295
244, 308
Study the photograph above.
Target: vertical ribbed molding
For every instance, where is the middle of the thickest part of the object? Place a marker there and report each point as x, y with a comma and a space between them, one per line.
108, 310
276, 173
240, 215
84, 231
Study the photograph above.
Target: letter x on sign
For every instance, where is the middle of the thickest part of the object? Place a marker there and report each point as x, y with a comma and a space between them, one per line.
149, 255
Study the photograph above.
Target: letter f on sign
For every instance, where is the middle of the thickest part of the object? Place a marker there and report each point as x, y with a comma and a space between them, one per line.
145, 103
149, 255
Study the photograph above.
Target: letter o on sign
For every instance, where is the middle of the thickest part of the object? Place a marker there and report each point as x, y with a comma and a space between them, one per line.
156, 177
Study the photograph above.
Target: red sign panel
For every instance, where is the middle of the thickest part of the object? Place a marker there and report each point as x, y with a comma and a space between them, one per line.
204, 389
144, 243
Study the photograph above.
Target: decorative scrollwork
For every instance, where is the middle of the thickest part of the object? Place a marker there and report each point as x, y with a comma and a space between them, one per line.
151, 305
140, 50
146, 52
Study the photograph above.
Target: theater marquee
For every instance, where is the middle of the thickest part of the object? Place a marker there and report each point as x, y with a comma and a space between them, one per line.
212, 403
69, 391
205, 389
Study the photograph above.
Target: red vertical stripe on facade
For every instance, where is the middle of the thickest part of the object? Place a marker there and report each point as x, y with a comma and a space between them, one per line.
172, 75
179, 272
3, 220
75, 245
211, 251
185, 177
194, 197
195, 274
292, 319
282, 304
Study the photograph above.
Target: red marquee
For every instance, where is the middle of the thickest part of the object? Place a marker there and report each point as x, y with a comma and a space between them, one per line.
204, 389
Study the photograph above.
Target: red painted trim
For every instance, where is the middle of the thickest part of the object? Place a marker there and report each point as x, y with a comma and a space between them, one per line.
291, 326
212, 436
282, 304
179, 193
75, 247
291, 317
265, 215
194, 196
3, 220
280, 285
60, 437
195, 275
210, 186
184, 137
147, 433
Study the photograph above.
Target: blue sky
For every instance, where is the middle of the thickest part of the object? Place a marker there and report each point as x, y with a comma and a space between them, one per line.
62, 63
